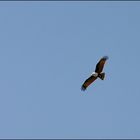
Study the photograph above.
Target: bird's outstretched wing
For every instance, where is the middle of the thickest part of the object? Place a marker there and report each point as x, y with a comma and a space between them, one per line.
100, 64
88, 82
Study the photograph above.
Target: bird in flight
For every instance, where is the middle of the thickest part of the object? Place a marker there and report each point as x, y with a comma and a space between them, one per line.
98, 73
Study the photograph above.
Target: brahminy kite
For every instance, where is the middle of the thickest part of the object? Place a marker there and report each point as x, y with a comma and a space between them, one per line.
98, 73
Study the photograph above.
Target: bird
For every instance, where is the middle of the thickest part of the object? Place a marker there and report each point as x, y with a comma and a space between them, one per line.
97, 74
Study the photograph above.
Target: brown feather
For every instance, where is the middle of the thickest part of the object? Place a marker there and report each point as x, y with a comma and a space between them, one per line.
100, 64
88, 82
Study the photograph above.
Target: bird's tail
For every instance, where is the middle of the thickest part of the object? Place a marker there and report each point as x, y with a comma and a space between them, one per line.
101, 76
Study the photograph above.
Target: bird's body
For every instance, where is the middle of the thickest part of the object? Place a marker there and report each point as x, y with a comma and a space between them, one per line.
97, 74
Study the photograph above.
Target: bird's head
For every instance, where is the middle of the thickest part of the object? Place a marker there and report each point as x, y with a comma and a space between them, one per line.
94, 74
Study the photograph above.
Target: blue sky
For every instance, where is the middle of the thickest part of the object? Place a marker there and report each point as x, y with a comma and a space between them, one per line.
48, 49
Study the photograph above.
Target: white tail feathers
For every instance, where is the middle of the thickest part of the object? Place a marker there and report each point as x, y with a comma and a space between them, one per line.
102, 76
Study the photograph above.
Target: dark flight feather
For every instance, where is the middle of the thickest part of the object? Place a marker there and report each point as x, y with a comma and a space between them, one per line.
100, 64
88, 82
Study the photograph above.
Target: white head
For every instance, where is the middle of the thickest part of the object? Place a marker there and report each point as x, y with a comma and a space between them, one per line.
94, 74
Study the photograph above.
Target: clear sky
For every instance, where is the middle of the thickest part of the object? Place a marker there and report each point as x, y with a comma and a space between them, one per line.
48, 49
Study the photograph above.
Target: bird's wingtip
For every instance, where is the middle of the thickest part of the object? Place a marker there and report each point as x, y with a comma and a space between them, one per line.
83, 88
106, 57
